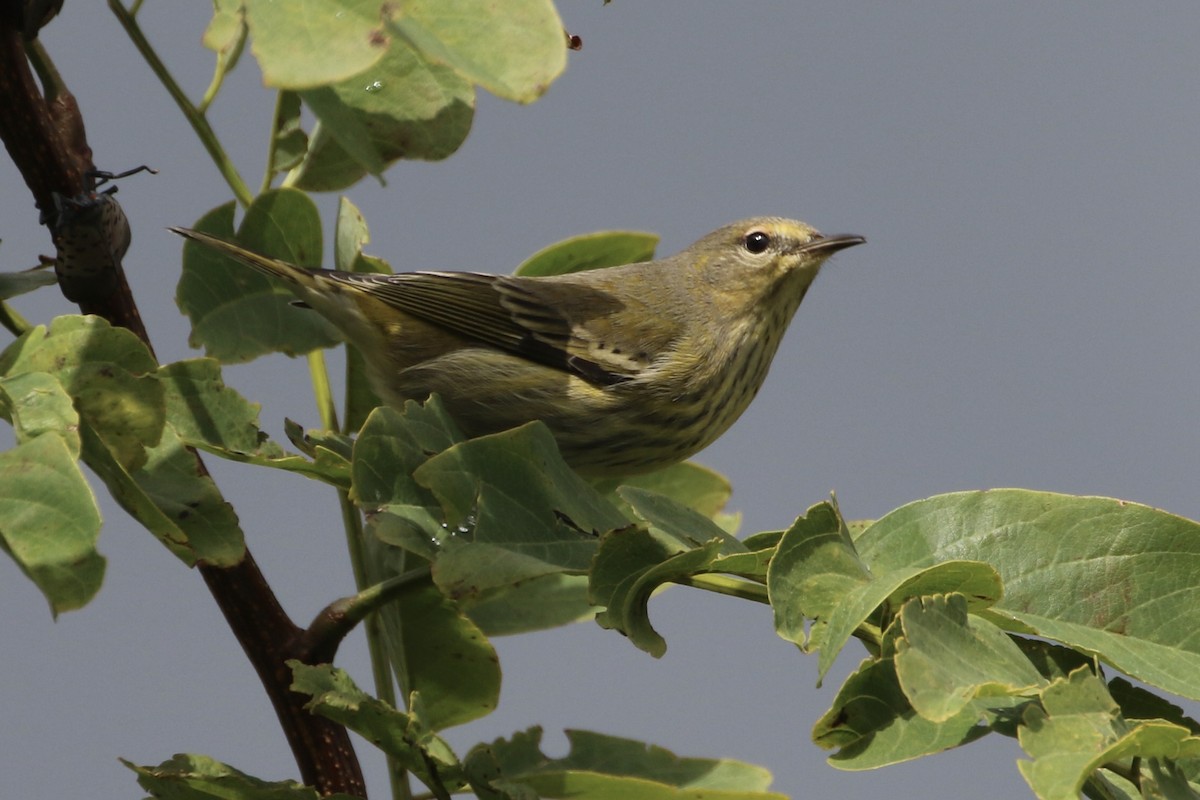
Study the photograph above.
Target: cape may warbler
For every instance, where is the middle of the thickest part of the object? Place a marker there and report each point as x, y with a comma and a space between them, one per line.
632, 368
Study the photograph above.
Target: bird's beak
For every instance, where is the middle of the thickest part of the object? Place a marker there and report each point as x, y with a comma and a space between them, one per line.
828, 245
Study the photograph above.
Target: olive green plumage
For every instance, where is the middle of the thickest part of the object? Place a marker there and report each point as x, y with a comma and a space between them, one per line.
632, 367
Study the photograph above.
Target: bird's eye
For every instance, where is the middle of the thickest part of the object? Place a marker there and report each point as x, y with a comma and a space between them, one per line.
757, 241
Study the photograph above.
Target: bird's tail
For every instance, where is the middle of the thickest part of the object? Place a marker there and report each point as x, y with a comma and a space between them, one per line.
270, 266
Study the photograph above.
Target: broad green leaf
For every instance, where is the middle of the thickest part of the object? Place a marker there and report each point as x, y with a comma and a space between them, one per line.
75, 341
678, 522
126, 410
1106, 576
13, 284
513, 50
238, 314
349, 235
341, 124
526, 512
171, 498
175, 481
872, 724
36, 403
502, 525
441, 654
120, 432
546, 601
401, 107
391, 445
815, 565
106, 372
590, 251
195, 777
523, 465
302, 44
946, 658
49, 521
1078, 728
417, 528
629, 567
289, 142
607, 766
404, 736
697, 487
226, 33
976, 581
201, 408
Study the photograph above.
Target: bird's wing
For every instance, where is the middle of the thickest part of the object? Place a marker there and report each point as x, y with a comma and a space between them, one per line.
511, 314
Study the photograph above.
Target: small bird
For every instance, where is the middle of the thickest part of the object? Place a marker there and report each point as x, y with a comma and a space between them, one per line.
632, 368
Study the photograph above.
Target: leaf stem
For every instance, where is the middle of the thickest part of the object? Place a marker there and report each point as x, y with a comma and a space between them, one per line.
272, 143
322, 391
352, 523
13, 321
194, 116
723, 584
336, 620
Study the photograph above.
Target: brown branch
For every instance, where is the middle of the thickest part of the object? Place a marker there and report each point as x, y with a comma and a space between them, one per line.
46, 140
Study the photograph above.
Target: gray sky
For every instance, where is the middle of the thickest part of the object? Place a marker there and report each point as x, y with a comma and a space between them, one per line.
1024, 314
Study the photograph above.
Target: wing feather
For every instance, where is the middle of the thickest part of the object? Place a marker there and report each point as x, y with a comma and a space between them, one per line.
493, 310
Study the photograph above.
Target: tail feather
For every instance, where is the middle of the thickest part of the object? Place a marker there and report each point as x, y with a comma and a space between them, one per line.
265, 264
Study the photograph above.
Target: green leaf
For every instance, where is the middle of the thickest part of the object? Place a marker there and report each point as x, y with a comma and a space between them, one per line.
201, 408
36, 403
607, 766
523, 465
13, 284
441, 654
514, 50
815, 565
237, 313
697, 487
1105, 576
300, 45
391, 445
289, 141
404, 736
175, 481
631, 564
946, 658
520, 511
590, 251
977, 581
1078, 728
341, 124
402, 107
676, 521
226, 33
195, 777
874, 725
545, 601
349, 235
105, 370
172, 498
49, 522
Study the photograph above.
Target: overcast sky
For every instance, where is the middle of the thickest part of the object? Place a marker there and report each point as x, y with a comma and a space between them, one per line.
1024, 314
